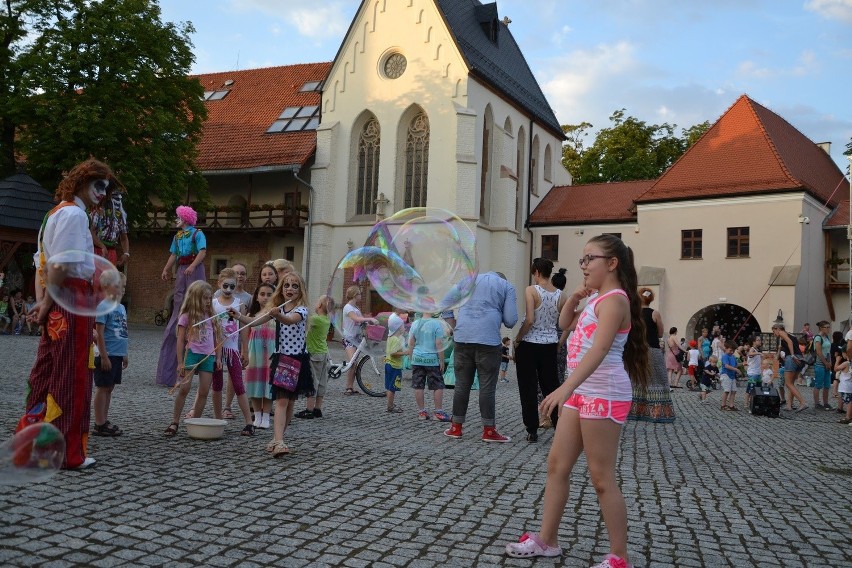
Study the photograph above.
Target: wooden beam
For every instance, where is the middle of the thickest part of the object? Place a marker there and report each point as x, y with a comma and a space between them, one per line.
8, 250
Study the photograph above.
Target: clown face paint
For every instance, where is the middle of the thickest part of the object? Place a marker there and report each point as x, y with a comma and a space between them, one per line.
97, 190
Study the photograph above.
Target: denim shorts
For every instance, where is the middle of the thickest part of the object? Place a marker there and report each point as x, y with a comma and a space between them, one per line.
822, 377
791, 364
504, 366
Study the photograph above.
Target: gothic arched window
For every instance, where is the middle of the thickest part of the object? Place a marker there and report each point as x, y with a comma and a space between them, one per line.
367, 182
417, 161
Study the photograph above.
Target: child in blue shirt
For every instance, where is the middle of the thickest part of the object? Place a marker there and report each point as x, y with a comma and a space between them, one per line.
729, 372
426, 343
110, 361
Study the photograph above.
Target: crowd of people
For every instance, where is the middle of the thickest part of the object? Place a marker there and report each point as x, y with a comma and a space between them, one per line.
587, 361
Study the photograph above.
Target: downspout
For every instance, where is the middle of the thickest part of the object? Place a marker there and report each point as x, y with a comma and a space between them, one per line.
309, 224
529, 194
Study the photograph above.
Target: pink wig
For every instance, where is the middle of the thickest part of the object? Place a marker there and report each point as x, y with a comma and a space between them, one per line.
187, 214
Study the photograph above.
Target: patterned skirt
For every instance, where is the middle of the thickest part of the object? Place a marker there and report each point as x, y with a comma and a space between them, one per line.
261, 345
653, 403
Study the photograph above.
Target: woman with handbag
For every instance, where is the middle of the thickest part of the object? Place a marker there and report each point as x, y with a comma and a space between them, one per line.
290, 370
674, 359
788, 351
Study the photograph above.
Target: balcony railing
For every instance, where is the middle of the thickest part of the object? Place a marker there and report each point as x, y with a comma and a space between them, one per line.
837, 276
285, 219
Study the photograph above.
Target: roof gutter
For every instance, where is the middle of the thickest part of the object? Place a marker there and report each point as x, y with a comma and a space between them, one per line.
255, 170
309, 224
529, 193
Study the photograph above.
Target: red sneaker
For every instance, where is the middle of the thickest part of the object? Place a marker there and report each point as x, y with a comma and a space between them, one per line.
454, 431
490, 434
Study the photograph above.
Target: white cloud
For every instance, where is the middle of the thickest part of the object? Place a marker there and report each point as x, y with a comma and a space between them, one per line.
309, 19
831, 9
806, 64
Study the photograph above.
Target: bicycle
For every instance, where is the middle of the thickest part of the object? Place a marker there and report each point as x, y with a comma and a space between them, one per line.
370, 377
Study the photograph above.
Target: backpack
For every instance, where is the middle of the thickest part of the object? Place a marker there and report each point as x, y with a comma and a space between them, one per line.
810, 355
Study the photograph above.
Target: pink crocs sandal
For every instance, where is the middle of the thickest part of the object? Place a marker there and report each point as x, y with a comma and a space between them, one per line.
530, 545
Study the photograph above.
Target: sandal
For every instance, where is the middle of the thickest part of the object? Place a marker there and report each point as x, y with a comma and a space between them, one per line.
248, 430
190, 414
350, 392
531, 545
270, 446
107, 429
172, 429
801, 408
280, 449
227, 414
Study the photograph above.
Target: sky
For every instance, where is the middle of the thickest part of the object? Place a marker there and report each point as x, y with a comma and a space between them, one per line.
664, 61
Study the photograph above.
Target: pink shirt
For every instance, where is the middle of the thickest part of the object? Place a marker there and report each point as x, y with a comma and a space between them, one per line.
202, 343
610, 379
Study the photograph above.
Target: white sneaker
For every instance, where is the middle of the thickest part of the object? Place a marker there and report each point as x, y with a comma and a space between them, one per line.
257, 419
86, 463
264, 421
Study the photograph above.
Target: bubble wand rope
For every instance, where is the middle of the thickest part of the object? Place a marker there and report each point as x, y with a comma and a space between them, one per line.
188, 374
765, 292
214, 316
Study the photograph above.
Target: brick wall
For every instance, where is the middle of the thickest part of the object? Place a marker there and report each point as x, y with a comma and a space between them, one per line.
147, 294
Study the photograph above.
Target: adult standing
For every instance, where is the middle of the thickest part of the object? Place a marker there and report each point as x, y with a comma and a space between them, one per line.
477, 350
559, 280
536, 345
109, 230
188, 249
674, 356
823, 365
705, 344
653, 402
789, 346
60, 384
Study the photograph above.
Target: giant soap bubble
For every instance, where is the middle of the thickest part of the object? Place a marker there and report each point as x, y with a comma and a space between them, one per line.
34, 454
419, 260
83, 283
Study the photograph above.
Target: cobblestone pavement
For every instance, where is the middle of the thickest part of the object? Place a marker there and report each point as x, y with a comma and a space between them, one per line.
367, 488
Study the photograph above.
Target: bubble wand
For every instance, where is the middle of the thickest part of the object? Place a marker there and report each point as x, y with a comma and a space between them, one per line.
188, 374
214, 316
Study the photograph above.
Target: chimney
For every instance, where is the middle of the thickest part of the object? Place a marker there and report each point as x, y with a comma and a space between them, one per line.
826, 146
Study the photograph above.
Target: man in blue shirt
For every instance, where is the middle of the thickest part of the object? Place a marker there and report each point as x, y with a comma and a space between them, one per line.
477, 349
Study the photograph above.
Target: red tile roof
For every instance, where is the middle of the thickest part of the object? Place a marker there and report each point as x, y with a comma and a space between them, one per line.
750, 150
235, 136
839, 217
592, 203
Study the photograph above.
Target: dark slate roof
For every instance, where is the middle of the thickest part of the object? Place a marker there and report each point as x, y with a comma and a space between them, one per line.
500, 64
23, 203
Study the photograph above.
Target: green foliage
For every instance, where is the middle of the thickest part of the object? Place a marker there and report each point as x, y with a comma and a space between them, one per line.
109, 79
630, 149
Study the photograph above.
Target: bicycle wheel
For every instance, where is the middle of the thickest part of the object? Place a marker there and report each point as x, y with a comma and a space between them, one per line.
370, 378
159, 320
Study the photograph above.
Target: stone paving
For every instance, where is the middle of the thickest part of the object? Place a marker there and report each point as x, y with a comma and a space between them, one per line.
366, 488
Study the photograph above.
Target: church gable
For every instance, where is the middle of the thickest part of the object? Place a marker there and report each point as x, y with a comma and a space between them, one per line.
395, 50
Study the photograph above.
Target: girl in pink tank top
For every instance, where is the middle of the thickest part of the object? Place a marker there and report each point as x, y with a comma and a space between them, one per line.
606, 352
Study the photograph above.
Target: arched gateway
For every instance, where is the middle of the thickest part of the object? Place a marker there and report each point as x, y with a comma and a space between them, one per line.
731, 318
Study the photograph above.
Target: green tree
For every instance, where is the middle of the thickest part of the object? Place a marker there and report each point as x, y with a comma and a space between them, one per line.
694, 132
13, 31
574, 146
109, 79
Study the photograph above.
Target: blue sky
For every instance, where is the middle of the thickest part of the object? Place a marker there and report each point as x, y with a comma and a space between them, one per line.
674, 61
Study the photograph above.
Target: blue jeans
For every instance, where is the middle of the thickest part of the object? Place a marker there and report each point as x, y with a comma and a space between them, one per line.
468, 359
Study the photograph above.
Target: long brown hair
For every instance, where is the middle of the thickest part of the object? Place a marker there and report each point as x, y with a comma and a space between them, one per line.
197, 308
278, 296
636, 359
82, 174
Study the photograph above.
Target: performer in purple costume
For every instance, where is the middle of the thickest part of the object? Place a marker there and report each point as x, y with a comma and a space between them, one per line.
188, 249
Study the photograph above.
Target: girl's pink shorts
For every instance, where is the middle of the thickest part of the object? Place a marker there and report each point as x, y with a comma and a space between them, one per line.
592, 408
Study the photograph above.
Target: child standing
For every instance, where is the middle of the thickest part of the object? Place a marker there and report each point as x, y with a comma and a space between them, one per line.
766, 375
291, 333
318, 326
230, 349
753, 368
692, 358
729, 372
426, 343
709, 374
607, 351
198, 349
259, 348
393, 360
505, 357
845, 387
352, 320
110, 359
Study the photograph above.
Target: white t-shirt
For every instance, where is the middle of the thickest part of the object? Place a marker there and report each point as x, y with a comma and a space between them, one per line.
767, 377
754, 361
350, 327
845, 381
230, 339
693, 357
68, 230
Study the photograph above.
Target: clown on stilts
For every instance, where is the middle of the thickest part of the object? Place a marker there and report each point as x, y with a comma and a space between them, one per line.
188, 249
60, 383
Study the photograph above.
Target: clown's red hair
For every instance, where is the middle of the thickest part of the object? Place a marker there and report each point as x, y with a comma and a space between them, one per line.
82, 174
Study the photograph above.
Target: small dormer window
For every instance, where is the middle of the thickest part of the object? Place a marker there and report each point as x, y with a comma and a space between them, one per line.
310, 86
214, 95
486, 15
293, 119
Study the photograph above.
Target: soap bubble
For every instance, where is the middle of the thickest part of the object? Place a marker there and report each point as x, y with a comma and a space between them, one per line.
32, 455
428, 260
83, 283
